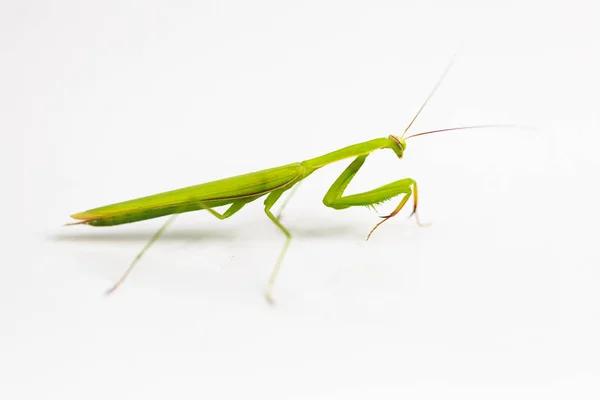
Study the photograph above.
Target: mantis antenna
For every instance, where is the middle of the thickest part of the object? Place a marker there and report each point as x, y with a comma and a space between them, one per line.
435, 88
460, 128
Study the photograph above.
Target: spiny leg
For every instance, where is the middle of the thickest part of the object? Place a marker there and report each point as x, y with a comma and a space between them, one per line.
269, 202
414, 212
335, 198
235, 207
396, 211
415, 204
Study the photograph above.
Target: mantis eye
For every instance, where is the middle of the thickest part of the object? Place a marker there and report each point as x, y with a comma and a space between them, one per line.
402, 143
399, 145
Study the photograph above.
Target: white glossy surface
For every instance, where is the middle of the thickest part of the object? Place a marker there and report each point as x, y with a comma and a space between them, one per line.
498, 299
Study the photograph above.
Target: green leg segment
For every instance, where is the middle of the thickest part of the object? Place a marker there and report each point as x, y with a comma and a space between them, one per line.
269, 202
335, 198
235, 207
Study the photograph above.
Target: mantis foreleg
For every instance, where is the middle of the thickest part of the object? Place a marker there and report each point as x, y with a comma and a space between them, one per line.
335, 198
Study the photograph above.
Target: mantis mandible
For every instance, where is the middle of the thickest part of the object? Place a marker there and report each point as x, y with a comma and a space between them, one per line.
240, 190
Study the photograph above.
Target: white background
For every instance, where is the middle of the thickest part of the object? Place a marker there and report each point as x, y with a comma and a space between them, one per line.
106, 101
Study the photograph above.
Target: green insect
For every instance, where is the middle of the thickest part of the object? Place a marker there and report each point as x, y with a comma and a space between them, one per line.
240, 190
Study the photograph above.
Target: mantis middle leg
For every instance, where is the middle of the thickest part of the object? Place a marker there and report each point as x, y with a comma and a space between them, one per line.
269, 202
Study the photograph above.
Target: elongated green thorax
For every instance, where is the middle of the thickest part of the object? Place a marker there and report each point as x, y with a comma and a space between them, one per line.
354, 150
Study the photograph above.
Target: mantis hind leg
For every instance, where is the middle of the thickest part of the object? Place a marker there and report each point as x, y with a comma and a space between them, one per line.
335, 198
235, 207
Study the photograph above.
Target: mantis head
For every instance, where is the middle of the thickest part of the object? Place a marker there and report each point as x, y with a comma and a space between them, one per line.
399, 145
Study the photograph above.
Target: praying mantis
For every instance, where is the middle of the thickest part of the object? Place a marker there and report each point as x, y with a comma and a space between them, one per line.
238, 191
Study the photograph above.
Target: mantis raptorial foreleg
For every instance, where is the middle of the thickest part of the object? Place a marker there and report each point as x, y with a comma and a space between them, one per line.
335, 198
269, 202
235, 207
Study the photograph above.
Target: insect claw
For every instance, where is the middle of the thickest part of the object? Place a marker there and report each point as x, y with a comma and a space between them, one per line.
269, 295
421, 224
